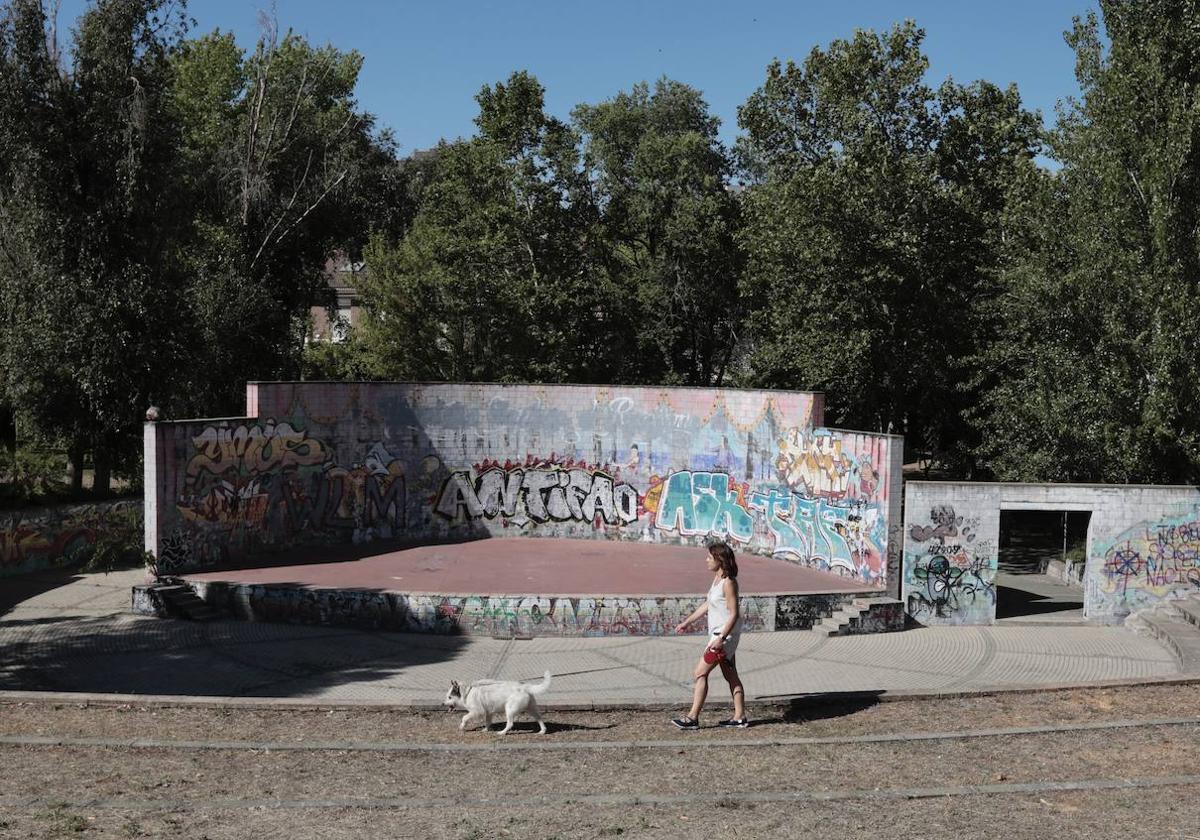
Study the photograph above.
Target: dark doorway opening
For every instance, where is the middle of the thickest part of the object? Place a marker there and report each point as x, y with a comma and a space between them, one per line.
1041, 557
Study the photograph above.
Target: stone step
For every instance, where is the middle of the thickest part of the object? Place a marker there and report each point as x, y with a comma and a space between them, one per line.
182, 602
1180, 635
1189, 608
849, 620
841, 620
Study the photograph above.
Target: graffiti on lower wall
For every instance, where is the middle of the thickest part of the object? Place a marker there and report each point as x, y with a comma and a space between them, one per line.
40, 538
1151, 561
949, 574
531, 615
522, 615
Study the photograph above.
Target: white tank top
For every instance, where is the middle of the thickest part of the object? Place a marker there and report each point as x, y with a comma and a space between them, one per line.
718, 609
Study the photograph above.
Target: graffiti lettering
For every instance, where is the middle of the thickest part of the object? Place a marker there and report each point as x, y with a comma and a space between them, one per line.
949, 578
252, 507
1155, 559
834, 537
253, 449
557, 494
705, 503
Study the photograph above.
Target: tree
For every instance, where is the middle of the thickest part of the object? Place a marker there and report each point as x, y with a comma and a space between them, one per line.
89, 220
492, 280
283, 170
667, 220
1095, 369
166, 211
870, 228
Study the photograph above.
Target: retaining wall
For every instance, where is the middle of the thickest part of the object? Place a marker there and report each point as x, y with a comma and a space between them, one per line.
318, 464
516, 615
32, 539
1143, 545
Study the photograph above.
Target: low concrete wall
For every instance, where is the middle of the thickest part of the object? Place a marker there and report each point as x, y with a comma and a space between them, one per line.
336, 463
519, 615
1143, 545
32, 539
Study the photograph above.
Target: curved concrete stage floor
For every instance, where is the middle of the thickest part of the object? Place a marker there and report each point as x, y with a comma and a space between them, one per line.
531, 587
544, 566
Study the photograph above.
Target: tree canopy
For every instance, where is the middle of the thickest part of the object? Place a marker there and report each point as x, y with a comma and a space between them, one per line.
1013, 299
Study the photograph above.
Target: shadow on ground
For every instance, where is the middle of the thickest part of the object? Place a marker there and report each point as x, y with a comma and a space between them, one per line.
1012, 602
819, 706
127, 654
20, 588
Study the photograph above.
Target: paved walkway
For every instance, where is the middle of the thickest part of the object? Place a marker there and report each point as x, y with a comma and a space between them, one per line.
1027, 598
63, 632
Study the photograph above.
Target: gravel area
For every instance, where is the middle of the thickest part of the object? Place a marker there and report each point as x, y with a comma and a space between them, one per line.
197, 776
103, 792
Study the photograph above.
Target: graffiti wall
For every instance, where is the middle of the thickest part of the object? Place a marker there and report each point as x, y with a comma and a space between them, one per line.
33, 539
949, 563
1143, 546
345, 463
1153, 560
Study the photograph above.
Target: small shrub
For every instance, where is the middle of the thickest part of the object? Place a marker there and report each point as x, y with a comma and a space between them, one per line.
32, 476
120, 548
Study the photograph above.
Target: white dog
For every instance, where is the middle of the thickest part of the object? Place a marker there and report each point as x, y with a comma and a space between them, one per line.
485, 699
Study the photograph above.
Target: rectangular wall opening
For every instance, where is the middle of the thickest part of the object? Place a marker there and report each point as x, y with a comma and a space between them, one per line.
1041, 558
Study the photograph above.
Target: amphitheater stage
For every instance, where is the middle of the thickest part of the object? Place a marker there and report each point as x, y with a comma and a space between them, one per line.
521, 587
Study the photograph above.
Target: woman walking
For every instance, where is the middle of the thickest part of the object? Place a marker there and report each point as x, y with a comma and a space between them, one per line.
724, 633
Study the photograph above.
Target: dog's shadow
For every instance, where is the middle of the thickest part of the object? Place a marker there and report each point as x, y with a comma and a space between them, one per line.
531, 727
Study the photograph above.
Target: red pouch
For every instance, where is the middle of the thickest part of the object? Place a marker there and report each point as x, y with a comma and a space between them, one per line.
712, 657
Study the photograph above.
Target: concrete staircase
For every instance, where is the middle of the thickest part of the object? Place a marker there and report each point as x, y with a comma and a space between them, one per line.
1177, 625
182, 602
861, 616
172, 600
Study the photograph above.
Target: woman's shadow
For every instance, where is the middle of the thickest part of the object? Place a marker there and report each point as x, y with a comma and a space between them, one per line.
805, 708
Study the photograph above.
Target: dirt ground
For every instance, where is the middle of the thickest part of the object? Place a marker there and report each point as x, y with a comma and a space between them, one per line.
1141, 781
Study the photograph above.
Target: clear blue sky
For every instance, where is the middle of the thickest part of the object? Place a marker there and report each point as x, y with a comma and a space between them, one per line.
426, 61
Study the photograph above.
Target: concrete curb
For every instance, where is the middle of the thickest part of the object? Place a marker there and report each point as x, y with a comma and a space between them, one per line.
705, 798
547, 745
763, 702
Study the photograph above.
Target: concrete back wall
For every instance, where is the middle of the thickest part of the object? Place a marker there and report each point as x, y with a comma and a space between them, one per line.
1143, 546
339, 463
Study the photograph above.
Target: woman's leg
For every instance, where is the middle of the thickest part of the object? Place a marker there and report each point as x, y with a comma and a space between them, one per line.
699, 688
729, 671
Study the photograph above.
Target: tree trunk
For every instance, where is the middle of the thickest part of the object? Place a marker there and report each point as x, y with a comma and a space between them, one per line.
8, 429
75, 462
102, 478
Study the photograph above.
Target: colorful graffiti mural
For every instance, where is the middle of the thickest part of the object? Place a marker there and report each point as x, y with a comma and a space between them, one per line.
1152, 560
822, 509
949, 575
256, 487
355, 462
40, 538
